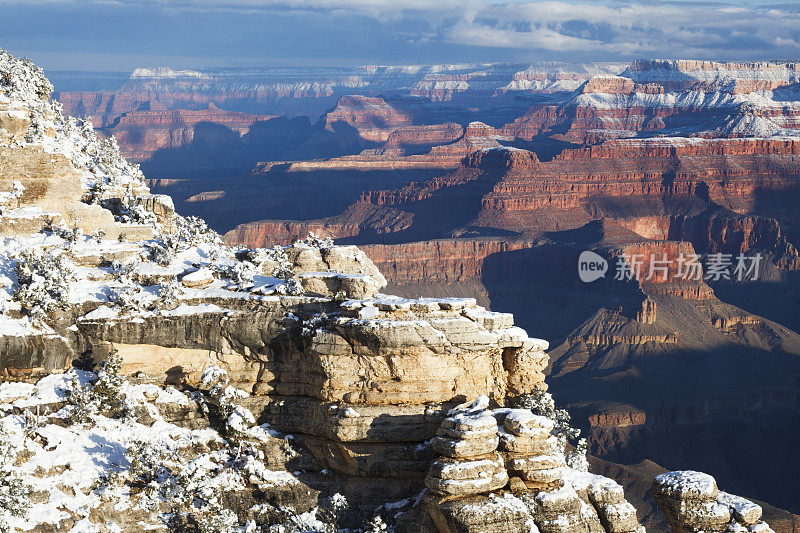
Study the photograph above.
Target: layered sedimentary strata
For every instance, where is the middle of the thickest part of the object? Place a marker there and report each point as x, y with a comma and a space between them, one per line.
367, 161
102, 108
545, 493
681, 99
164, 100
721, 177
657, 130
359, 218
154, 109
313, 90
444, 154
749, 154
678, 189
477, 136
407, 139
325, 357
54, 172
555, 77
51, 187
359, 378
617, 329
140, 134
532, 453
641, 168
686, 98
468, 464
442, 261
737, 77
692, 502
371, 117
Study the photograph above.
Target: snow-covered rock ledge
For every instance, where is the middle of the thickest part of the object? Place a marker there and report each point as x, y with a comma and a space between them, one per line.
692, 503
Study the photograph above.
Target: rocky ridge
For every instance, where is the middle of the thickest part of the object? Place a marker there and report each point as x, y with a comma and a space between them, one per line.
143, 133
154, 115
166, 88
674, 98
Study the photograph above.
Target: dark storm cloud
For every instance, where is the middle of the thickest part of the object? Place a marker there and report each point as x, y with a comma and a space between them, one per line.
121, 34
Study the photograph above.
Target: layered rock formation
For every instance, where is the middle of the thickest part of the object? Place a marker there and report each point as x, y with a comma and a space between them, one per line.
555, 77
359, 218
680, 97
546, 495
313, 90
371, 117
692, 502
363, 382
533, 213
155, 115
614, 331
730, 170
360, 384
410, 139
143, 133
738, 167
468, 463
709, 76
56, 173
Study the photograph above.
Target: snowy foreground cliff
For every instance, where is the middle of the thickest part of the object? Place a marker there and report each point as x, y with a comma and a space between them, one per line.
152, 378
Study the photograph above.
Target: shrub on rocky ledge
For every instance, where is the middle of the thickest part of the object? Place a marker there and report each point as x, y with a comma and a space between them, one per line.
14, 492
541, 403
104, 395
148, 468
108, 388
44, 281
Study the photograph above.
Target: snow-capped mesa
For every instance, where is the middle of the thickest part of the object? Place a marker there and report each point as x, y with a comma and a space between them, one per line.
654, 98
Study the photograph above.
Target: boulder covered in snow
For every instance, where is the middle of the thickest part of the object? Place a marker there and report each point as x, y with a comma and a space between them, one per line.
692, 503
471, 490
534, 454
200, 278
467, 440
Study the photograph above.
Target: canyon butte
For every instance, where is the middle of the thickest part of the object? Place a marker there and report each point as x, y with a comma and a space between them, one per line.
155, 376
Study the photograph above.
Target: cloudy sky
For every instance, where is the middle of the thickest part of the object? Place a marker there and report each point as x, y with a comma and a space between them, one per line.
123, 34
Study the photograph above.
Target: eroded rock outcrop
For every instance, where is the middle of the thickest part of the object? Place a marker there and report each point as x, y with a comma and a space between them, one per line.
467, 444
543, 494
143, 133
692, 502
364, 382
55, 172
673, 98
371, 117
